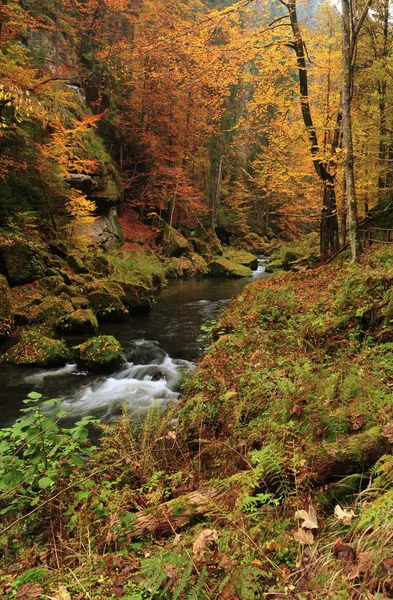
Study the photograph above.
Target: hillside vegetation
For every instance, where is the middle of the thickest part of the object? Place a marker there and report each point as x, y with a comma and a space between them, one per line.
270, 478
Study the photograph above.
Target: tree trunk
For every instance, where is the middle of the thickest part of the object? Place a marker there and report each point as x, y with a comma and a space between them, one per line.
329, 222
348, 51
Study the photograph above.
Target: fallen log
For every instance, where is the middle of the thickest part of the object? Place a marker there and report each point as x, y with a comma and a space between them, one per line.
169, 517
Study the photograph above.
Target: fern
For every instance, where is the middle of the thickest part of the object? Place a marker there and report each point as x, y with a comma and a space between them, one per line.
252, 503
269, 468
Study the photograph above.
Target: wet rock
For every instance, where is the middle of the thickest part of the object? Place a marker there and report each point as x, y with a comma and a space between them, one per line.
37, 350
136, 298
102, 353
222, 267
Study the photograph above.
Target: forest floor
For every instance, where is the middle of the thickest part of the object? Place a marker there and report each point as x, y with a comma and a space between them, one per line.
271, 478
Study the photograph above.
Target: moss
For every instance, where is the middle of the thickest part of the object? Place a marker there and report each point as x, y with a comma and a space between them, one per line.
198, 264
79, 302
49, 310
222, 267
274, 266
51, 282
102, 353
136, 298
178, 267
174, 243
20, 262
79, 322
99, 265
6, 308
37, 350
107, 306
242, 257
63, 288
76, 264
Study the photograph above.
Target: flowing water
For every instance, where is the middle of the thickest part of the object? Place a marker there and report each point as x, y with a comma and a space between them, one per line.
159, 348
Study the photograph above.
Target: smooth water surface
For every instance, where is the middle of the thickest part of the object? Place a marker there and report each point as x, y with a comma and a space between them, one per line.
159, 347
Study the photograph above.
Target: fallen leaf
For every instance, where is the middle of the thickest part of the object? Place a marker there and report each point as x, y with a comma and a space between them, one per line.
62, 593
362, 566
344, 515
171, 571
176, 540
344, 552
310, 518
304, 537
202, 542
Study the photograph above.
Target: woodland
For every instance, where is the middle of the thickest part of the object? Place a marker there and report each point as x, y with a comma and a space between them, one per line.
146, 141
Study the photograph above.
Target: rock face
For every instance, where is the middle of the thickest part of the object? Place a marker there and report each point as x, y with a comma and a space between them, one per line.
105, 230
20, 262
6, 308
222, 267
102, 354
37, 350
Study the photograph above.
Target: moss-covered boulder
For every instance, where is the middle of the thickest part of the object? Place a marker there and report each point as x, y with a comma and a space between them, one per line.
178, 267
102, 354
20, 262
51, 282
198, 264
76, 264
99, 265
136, 298
49, 310
79, 322
68, 290
243, 257
207, 247
79, 302
174, 243
222, 267
35, 349
275, 265
6, 308
107, 306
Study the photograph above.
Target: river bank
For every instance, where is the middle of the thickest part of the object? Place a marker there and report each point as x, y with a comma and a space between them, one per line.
270, 478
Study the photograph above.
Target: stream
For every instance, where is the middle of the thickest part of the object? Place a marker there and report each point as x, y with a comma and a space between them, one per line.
159, 347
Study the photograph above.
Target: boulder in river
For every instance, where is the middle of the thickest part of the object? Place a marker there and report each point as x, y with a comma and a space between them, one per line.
37, 350
102, 353
222, 267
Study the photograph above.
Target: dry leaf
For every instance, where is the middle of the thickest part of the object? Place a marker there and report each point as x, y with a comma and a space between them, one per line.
362, 566
177, 540
62, 593
310, 518
170, 571
304, 537
344, 515
202, 542
387, 432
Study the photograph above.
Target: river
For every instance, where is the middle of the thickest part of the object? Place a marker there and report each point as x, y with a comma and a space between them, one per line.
159, 347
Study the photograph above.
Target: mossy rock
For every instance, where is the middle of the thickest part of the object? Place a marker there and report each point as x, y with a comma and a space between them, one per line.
179, 267
255, 243
207, 247
107, 306
49, 310
37, 350
51, 282
222, 267
20, 262
198, 264
100, 265
58, 248
102, 354
136, 298
79, 322
63, 288
76, 264
243, 257
80, 302
6, 308
274, 266
174, 243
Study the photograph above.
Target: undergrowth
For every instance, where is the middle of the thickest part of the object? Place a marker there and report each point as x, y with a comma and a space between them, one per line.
271, 478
